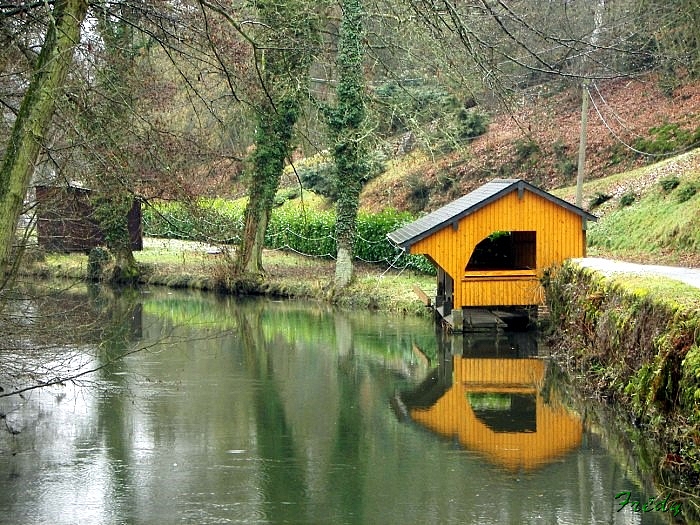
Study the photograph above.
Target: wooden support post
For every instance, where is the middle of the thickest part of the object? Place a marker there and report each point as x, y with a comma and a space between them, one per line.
422, 295
457, 320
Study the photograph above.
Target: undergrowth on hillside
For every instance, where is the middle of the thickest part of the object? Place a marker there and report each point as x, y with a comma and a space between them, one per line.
668, 138
666, 218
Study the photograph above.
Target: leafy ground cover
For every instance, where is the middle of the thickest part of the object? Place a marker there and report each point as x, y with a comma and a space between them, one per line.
537, 139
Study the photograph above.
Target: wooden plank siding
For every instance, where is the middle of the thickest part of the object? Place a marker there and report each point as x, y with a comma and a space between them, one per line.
500, 290
66, 222
559, 235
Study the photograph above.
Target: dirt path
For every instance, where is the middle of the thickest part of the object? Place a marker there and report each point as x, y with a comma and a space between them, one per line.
607, 266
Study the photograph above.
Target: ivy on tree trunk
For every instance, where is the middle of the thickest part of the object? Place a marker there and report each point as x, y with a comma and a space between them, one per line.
112, 207
34, 118
346, 128
283, 49
273, 138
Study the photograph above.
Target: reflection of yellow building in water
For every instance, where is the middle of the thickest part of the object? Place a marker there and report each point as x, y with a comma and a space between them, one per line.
494, 407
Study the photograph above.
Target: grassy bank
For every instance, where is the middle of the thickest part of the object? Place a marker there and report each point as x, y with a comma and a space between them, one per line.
182, 264
634, 342
648, 214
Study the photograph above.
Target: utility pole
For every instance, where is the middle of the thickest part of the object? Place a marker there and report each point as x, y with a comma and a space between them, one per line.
598, 21
582, 144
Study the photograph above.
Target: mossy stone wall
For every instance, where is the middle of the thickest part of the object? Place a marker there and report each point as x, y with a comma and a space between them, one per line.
636, 351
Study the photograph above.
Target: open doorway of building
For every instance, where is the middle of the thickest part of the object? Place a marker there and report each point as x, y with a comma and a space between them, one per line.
505, 250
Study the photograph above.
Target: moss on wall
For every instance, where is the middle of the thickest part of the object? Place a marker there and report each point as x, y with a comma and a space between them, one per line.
638, 350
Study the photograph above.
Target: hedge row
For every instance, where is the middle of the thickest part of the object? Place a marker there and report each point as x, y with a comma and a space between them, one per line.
307, 231
209, 220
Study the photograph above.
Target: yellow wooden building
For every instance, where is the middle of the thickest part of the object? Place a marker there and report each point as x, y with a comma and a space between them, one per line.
491, 246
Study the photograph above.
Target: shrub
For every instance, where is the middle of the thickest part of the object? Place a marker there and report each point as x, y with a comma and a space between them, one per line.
285, 194
669, 183
317, 173
442, 118
567, 167
525, 149
617, 154
307, 231
214, 220
598, 199
401, 105
667, 138
418, 191
372, 245
627, 199
686, 191
559, 148
471, 123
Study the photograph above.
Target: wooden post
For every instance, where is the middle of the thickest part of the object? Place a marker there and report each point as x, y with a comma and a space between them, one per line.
598, 21
457, 320
582, 144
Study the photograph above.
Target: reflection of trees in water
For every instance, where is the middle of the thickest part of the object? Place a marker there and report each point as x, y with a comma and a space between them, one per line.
284, 479
310, 422
54, 333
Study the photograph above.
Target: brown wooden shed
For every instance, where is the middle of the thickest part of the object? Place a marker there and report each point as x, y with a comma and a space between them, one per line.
491, 246
65, 221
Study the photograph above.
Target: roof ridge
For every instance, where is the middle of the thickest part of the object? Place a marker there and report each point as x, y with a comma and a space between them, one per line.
469, 203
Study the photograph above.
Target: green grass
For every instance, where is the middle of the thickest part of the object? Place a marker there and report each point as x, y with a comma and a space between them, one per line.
676, 294
183, 264
657, 223
72, 266
654, 223
611, 183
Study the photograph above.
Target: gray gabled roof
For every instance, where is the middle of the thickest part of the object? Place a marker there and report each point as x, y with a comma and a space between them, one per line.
451, 213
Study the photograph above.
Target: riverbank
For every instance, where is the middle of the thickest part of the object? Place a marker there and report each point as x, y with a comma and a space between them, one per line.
200, 266
633, 342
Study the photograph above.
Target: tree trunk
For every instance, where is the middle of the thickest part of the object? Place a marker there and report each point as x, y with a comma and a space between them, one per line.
283, 54
345, 123
34, 118
249, 258
344, 267
111, 211
126, 270
273, 139
345, 229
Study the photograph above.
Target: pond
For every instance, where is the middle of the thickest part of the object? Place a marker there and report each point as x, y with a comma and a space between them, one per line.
261, 411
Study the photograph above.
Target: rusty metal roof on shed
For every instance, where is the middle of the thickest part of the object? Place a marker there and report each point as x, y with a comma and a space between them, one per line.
454, 211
